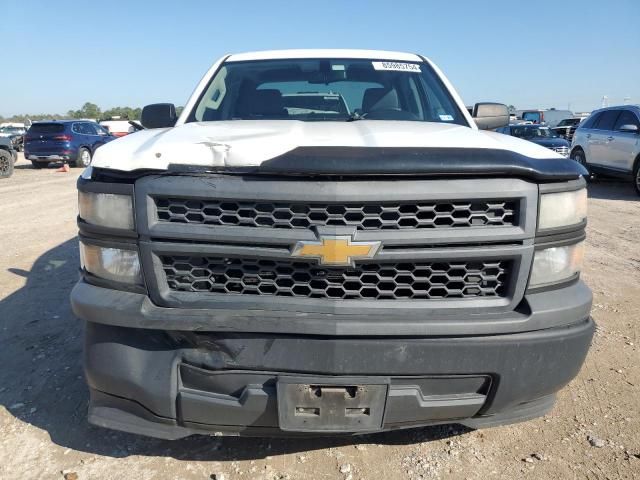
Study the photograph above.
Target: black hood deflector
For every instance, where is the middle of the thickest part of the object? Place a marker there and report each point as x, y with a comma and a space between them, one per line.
402, 161
348, 161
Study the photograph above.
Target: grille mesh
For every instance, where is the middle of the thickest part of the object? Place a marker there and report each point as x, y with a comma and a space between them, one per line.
561, 150
427, 280
379, 216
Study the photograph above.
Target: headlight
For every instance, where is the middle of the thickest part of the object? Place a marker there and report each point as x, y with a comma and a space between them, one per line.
106, 209
114, 264
562, 209
556, 264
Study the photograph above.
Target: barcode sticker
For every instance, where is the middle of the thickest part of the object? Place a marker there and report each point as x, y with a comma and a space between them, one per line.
396, 66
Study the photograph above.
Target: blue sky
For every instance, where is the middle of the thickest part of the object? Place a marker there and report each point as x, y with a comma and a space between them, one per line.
130, 53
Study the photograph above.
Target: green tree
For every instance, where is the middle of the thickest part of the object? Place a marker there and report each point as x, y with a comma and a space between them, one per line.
88, 110
34, 117
125, 113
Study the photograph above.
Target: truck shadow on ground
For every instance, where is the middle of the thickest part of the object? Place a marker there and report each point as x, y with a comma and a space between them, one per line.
41, 380
612, 189
28, 166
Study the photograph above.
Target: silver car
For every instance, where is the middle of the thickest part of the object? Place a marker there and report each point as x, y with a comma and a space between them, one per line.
608, 143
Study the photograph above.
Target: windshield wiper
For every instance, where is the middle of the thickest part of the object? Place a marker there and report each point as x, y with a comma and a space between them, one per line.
356, 116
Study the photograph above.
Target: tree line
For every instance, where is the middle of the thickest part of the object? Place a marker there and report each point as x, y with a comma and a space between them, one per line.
88, 110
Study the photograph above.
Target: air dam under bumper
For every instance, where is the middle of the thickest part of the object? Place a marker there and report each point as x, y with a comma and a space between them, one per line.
171, 384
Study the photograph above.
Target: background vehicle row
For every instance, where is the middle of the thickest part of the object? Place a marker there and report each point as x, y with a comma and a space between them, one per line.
608, 143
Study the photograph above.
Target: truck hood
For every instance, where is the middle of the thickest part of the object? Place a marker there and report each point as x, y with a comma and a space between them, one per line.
249, 143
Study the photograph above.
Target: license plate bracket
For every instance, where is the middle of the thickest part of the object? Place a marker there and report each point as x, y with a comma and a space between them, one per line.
336, 404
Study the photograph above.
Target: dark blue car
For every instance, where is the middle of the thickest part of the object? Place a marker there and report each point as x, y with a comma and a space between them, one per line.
539, 134
69, 141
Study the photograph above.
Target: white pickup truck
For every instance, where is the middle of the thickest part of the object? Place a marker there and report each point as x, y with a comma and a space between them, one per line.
325, 242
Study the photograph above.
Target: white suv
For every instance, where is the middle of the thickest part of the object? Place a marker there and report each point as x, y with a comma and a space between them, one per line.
608, 142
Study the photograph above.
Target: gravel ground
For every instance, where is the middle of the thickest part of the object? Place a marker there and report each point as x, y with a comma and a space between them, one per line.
594, 431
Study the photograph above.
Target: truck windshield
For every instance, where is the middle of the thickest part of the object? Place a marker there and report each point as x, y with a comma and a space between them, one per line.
11, 130
533, 131
326, 90
569, 122
535, 117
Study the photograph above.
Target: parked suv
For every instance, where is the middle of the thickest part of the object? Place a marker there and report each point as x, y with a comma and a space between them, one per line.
373, 264
608, 143
69, 141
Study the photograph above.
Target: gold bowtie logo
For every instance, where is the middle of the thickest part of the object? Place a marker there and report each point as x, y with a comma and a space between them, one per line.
335, 250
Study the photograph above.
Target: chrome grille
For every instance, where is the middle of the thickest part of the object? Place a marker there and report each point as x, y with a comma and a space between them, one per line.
561, 150
362, 216
393, 281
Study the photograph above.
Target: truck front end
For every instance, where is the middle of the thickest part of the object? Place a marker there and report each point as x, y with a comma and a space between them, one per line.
331, 288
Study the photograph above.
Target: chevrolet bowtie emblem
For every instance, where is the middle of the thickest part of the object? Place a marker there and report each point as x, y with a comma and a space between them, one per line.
335, 250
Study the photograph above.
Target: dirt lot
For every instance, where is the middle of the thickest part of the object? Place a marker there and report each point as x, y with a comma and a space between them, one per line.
43, 428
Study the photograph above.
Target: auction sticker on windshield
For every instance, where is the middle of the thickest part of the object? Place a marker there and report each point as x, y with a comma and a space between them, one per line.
396, 66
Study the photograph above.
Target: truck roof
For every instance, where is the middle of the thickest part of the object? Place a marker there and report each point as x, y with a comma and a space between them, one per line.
324, 53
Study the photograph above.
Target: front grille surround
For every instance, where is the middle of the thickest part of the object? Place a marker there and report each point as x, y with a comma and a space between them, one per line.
367, 280
475, 243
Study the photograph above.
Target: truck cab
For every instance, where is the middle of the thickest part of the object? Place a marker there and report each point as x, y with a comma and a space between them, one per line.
550, 117
361, 259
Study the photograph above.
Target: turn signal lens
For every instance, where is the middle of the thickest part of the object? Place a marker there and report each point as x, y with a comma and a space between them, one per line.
113, 264
556, 264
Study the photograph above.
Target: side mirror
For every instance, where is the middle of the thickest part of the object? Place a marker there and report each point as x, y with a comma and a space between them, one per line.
489, 116
159, 115
137, 126
630, 128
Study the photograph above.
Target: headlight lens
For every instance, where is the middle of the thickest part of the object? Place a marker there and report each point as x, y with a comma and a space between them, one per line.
114, 264
562, 209
556, 264
106, 209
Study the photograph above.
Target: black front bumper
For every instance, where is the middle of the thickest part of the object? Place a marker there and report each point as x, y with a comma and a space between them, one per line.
166, 382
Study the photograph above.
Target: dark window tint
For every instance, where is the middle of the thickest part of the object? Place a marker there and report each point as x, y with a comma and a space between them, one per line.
607, 120
590, 121
46, 128
90, 129
84, 128
626, 118
100, 130
569, 122
532, 131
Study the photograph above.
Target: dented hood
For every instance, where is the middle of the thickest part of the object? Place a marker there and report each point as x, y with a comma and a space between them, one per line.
249, 143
